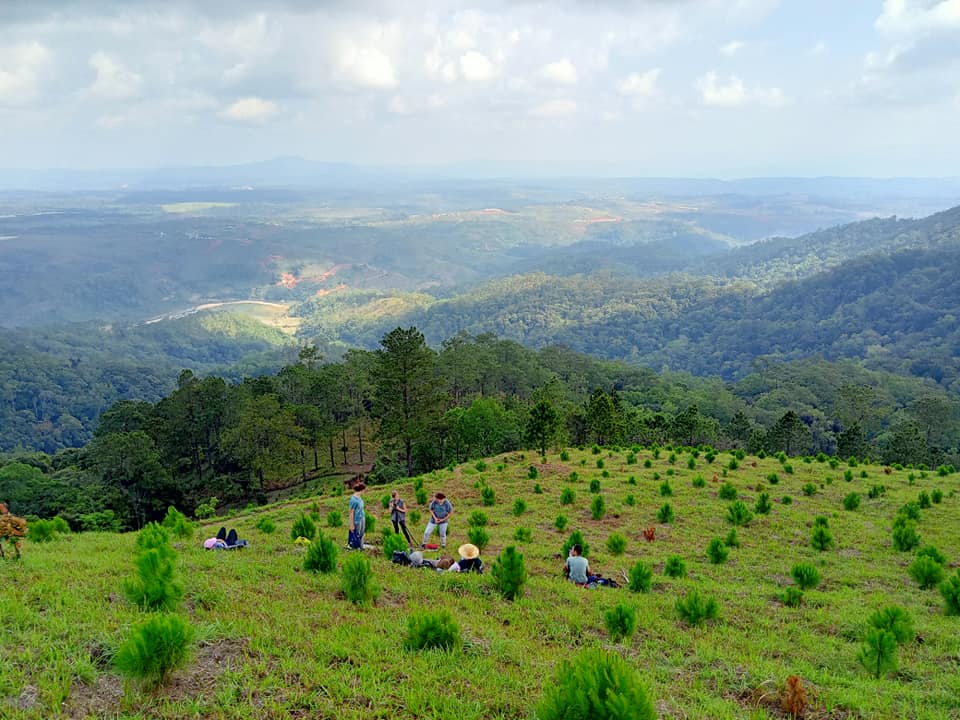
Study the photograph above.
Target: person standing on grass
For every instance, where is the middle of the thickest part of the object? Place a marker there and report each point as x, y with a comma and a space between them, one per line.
398, 515
440, 513
358, 518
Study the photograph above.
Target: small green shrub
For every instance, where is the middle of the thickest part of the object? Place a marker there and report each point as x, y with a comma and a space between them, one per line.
576, 538
421, 496
910, 510
154, 537
877, 491
155, 586
480, 465
821, 539
893, 619
738, 513
154, 648
691, 464
303, 527
594, 486
931, 552
321, 556
537, 490
950, 590
923, 500
564, 455
905, 537
479, 537
532, 473
334, 519
596, 685
805, 575
732, 540
763, 505
560, 522
357, 581
509, 573
848, 475
773, 478
695, 609
567, 496
207, 509
809, 489
522, 535
675, 567
788, 468
698, 482
598, 507
648, 463
621, 621
851, 502
641, 577
665, 489
41, 531
879, 652
616, 544
519, 507
488, 496
936, 496
392, 542
791, 596
432, 630
821, 521
265, 525
717, 551
786, 500
478, 518
727, 491
927, 572
630, 500
665, 514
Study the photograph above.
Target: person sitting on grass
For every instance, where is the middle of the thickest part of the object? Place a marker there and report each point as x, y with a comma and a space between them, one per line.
358, 518
440, 513
577, 568
469, 559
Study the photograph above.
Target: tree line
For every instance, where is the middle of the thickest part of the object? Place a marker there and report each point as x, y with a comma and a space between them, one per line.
406, 408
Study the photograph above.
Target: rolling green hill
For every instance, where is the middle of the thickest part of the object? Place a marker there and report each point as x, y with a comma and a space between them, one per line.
275, 641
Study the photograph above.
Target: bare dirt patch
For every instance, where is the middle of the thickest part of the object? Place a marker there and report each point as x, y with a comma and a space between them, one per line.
210, 661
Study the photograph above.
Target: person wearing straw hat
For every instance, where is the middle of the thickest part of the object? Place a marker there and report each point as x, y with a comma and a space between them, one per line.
469, 559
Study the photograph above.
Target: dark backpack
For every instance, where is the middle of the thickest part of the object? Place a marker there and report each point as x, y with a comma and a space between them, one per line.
400, 557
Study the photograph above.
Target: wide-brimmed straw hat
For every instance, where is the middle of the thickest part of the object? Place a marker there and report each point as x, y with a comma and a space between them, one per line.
469, 551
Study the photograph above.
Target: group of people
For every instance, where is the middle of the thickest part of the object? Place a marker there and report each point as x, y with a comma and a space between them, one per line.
576, 566
441, 510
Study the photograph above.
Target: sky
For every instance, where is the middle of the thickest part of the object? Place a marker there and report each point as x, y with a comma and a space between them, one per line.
693, 88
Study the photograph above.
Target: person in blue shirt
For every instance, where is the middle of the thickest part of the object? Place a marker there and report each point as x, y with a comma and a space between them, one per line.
440, 513
358, 518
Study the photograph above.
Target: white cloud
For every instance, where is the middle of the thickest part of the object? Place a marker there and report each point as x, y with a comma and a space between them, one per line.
554, 108
715, 92
732, 92
252, 110
22, 68
399, 106
476, 67
366, 67
732, 48
640, 85
561, 72
910, 17
113, 81
818, 48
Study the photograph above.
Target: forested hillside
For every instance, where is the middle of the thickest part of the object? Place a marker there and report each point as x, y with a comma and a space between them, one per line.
55, 381
410, 409
897, 312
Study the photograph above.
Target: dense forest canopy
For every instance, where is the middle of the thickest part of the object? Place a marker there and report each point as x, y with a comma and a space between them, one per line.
412, 409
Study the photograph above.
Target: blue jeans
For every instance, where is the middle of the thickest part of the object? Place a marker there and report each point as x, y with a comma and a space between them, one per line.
442, 525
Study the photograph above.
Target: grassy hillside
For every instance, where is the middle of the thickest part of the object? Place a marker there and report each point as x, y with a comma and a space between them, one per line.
278, 642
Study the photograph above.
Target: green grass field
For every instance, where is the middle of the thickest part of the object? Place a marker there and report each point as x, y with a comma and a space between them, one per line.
274, 641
